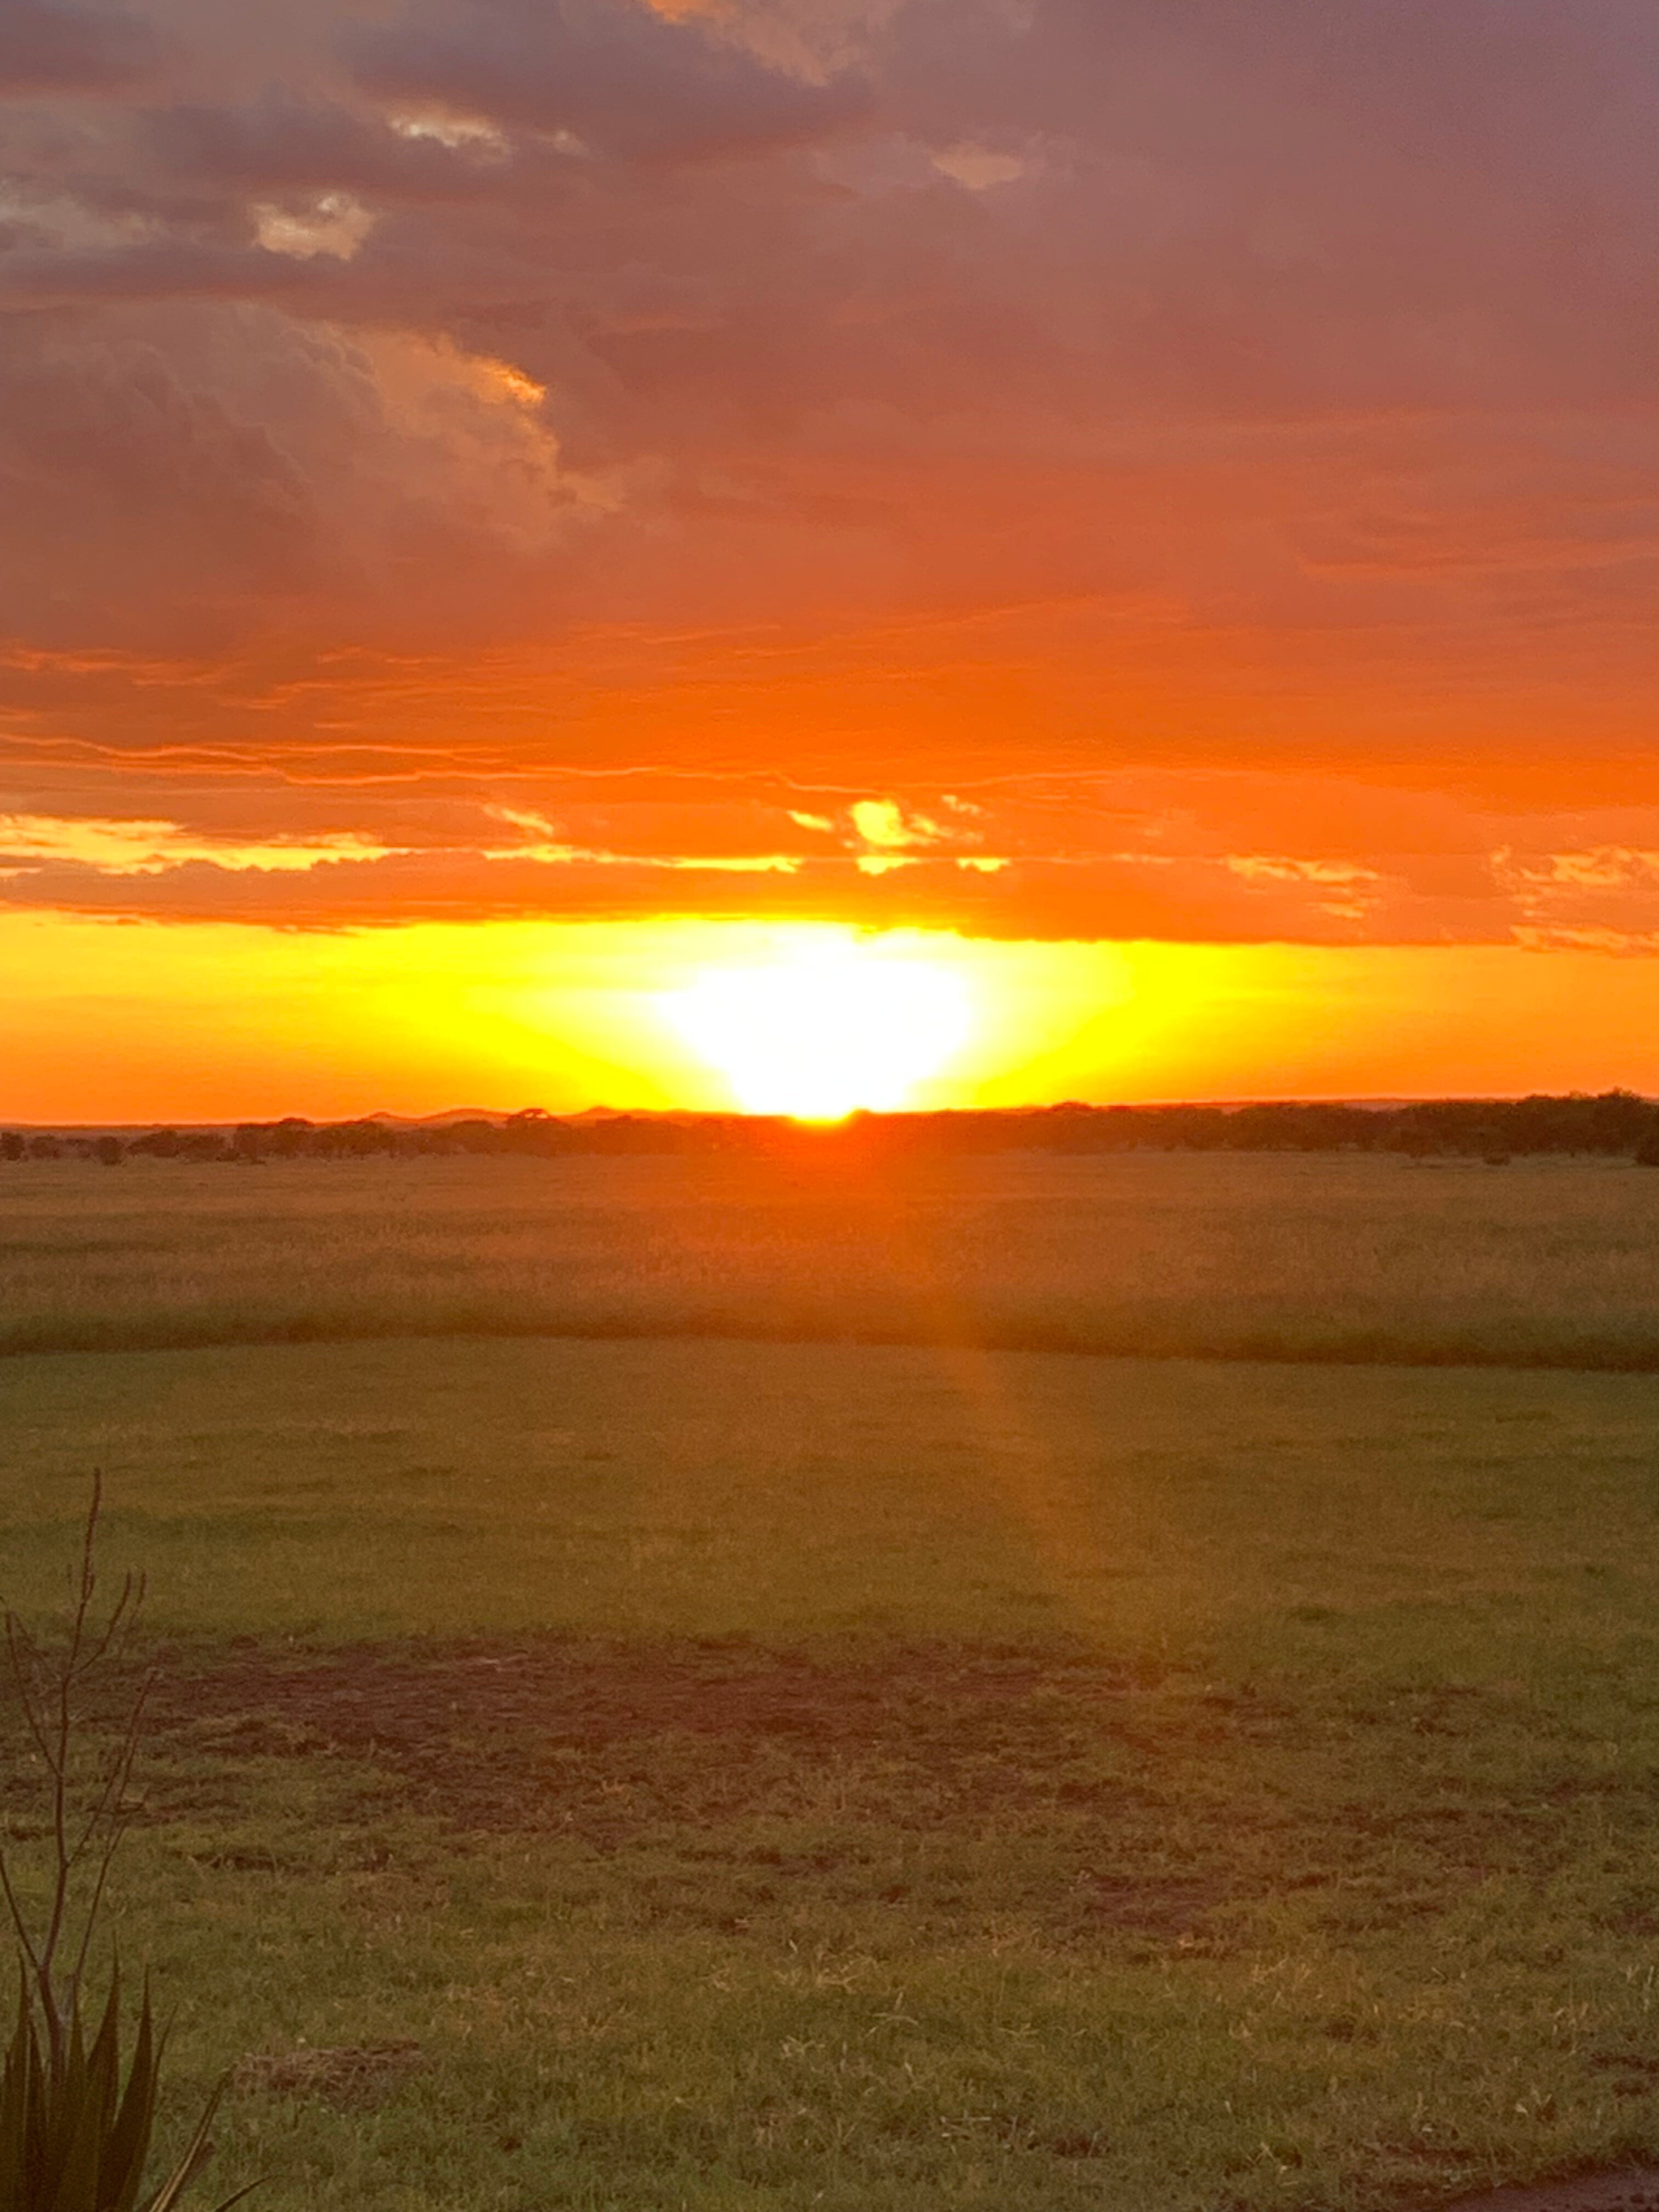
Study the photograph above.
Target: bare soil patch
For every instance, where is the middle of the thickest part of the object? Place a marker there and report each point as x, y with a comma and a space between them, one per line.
356, 2079
1141, 1804
1634, 2191
509, 1735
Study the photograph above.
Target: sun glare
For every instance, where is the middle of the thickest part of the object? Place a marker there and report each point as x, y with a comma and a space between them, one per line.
824, 1029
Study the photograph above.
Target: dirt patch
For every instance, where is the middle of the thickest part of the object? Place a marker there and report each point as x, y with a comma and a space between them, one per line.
1149, 1808
1634, 2191
744, 1779
557, 1732
354, 2080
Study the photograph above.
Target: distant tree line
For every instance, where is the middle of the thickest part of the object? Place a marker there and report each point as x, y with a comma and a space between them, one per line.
1616, 1122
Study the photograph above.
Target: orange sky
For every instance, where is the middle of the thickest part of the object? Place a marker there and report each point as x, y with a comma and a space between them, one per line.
222, 1021
1051, 475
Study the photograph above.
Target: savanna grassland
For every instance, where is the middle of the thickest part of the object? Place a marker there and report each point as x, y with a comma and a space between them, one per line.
640, 1767
1553, 1263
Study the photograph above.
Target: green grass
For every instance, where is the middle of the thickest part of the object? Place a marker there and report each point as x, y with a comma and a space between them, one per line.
781, 1775
1549, 1262
366, 1490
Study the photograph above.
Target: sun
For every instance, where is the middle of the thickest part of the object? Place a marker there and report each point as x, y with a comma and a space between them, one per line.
824, 1028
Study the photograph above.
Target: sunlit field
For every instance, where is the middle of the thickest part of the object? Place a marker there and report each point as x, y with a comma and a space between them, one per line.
1545, 1262
747, 1776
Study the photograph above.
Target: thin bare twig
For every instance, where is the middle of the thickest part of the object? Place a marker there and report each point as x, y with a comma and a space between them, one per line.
86, 1814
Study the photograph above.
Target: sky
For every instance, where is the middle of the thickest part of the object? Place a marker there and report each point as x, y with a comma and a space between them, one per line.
1147, 510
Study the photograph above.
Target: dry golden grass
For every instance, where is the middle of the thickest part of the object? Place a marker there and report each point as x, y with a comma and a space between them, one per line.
1552, 1263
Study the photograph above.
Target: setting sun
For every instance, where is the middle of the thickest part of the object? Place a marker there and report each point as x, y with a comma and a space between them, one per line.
837, 1025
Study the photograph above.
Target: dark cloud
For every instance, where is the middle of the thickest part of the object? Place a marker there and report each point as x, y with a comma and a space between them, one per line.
181, 478
164, 270
127, 485
55, 46
283, 143
620, 78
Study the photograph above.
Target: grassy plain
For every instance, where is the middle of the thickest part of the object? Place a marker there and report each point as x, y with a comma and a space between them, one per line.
764, 1775
1551, 1263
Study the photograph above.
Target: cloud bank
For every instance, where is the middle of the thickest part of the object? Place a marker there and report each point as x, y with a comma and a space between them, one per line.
1039, 467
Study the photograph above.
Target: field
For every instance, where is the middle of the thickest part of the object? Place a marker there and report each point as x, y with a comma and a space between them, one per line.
632, 1768
1548, 1262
